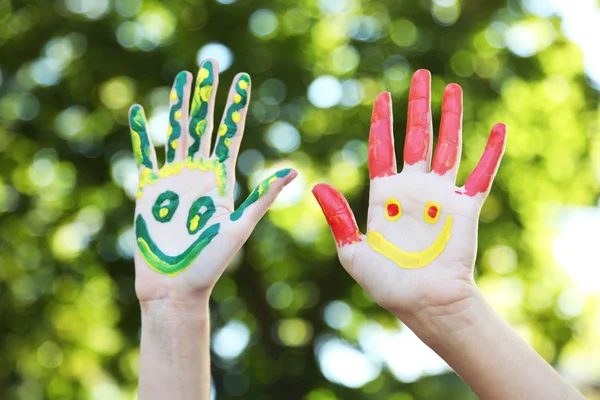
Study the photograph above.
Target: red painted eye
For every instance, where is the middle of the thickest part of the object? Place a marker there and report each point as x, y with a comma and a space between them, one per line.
393, 210
431, 213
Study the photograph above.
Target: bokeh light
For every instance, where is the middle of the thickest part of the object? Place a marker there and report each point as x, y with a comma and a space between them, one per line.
219, 52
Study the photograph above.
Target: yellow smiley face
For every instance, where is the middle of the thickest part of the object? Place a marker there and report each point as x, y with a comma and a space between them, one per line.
411, 259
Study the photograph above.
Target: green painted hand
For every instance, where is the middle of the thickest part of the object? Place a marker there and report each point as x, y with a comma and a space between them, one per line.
186, 231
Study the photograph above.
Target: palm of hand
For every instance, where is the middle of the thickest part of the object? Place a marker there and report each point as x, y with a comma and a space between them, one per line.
442, 281
421, 240
184, 239
185, 230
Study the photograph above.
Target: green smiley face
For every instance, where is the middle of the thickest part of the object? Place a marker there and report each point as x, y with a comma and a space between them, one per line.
163, 211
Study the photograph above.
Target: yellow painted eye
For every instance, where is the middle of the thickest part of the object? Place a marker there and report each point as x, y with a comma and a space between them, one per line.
431, 213
393, 210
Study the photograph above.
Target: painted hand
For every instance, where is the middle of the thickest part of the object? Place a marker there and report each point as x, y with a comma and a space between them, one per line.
419, 249
186, 231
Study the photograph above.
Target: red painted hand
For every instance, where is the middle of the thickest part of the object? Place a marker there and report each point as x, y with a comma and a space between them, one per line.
421, 240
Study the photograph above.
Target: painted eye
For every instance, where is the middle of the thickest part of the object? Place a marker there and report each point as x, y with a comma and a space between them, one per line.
200, 212
393, 210
431, 213
165, 206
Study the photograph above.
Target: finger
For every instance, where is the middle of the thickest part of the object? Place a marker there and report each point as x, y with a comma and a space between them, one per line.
143, 151
261, 198
382, 160
480, 180
447, 152
338, 214
202, 112
178, 115
232, 124
419, 129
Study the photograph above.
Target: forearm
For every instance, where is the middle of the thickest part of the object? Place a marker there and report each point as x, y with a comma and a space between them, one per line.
175, 354
488, 354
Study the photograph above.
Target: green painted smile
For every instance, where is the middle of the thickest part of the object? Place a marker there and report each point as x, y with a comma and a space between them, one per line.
170, 265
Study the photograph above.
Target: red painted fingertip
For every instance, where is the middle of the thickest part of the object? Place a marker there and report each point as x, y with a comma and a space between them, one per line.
446, 152
481, 178
382, 161
338, 214
418, 127
420, 84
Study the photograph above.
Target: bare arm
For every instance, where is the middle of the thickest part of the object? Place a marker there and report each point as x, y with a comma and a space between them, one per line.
175, 355
487, 353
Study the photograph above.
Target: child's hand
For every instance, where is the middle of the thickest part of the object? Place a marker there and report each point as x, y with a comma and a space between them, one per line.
186, 231
419, 249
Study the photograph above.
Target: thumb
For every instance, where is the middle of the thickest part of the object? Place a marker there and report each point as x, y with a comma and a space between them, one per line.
261, 198
338, 214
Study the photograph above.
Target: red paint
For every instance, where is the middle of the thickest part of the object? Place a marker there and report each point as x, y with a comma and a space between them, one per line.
418, 128
382, 161
446, 152
393, 210
481, 178
432, 212
338, 214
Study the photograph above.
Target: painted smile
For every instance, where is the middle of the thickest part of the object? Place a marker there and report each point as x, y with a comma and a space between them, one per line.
410, 259
165, 264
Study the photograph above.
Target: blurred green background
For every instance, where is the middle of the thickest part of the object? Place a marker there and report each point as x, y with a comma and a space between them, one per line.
288, 322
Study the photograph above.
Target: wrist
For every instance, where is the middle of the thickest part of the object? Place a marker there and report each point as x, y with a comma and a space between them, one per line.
175, 310
439, 324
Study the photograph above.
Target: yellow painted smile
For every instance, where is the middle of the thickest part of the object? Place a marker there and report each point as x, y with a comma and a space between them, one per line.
410, 259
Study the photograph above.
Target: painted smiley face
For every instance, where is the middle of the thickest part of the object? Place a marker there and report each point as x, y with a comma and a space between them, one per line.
411, 259
163, 211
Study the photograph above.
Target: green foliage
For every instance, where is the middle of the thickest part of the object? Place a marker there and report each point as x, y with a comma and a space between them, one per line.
70, 69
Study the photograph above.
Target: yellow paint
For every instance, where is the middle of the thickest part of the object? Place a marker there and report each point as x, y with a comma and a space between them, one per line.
273, 179
173, 95
194, 222
203, 73
426, 216
149, 177
137, 147
227, 142
243, 85
174, 143
163, 212
391, 218
222, 129
410, 259
237, 98
236, 117
173, 168
143, 244
169, 130
178, 114
205, 93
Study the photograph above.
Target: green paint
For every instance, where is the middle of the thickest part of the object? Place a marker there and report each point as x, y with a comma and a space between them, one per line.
170, 265
229, 127
198, 217
258, 192
165, 206
198, 115
139, 136
174, 134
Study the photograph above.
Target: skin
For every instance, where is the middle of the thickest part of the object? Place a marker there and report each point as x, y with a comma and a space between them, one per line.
439, 301
186, 237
